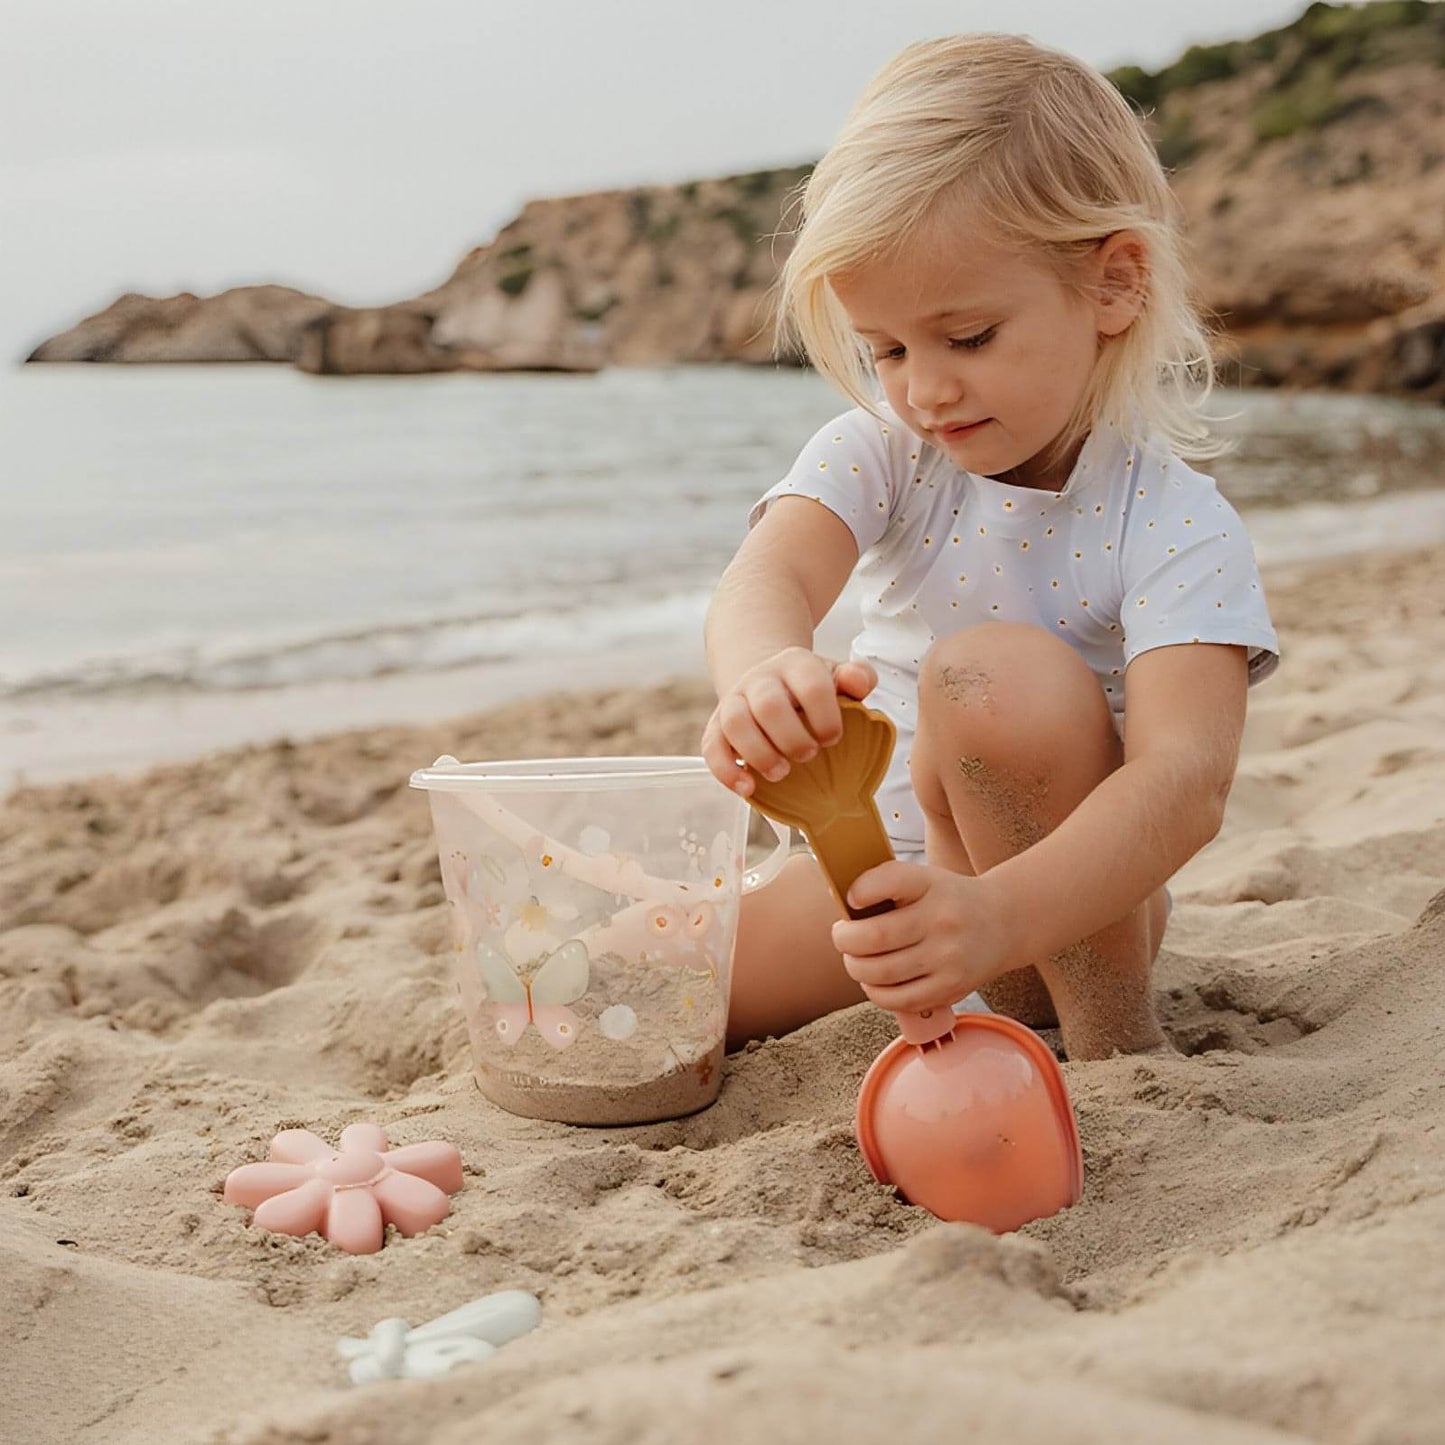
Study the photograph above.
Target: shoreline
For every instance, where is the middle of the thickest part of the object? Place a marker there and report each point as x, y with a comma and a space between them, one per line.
47, 741
53, 741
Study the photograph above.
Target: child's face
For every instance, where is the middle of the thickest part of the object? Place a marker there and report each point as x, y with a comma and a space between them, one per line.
963, 332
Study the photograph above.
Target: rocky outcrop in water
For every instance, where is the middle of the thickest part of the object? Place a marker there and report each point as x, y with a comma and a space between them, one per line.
1310, 162
249, 323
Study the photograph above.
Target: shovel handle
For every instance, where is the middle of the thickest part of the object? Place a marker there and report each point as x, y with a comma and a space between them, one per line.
843, 859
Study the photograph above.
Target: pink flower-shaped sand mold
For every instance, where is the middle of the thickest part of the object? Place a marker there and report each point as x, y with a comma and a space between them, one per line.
349, 1194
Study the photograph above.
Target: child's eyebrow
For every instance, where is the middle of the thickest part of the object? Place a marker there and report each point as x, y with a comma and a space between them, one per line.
957, 313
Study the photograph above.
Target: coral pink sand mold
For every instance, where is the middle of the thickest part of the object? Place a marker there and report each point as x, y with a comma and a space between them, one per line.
349, 1194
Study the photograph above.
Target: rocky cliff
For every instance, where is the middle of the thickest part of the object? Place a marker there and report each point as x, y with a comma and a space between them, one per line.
1310, 161
1311, 164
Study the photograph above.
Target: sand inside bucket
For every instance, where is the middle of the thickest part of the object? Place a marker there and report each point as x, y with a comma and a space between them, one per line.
649, 1046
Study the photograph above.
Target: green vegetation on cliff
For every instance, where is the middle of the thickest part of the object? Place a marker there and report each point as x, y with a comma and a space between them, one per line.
1307, 58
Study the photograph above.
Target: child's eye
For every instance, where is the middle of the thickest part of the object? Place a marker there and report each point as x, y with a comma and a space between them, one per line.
966, 343
972, 343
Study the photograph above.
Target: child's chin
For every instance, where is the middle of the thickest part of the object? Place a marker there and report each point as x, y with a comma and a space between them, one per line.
975, 452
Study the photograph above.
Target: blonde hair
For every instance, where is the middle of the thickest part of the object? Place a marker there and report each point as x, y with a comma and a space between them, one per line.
1050, 160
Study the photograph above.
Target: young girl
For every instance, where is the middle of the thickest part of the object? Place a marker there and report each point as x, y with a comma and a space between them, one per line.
992, 245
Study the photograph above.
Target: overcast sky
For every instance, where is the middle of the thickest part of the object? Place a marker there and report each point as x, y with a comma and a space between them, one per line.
358, 147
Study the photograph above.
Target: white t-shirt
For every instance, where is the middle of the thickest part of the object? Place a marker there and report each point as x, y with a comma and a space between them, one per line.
1137, 551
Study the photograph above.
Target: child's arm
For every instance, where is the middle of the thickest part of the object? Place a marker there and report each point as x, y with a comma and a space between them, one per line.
1184, 711
1185, 715
776, 699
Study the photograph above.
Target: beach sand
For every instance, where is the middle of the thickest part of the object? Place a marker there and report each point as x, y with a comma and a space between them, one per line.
193, 959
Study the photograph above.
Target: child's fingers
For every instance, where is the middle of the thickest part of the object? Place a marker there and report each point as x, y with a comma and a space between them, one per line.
776, 710
877, 974
718, 754
812, 688
855, 679
887, 970
902, 882
915, 997
744, 737
885, 933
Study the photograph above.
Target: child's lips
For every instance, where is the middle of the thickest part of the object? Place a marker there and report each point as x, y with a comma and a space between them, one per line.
952, 433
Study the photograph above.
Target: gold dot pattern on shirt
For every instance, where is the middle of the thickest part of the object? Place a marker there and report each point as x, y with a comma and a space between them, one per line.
956, 539
983, 531
1008, 506
1151, 526
885, 431
1078, 554
1108, 546
1173, 550
856, 470
1099, 509
822, 466
1055, 584
963, 576
928, 541
1062, 623
994, 608
837, 439
1049, 532
1141, 491
1083, 602
1023, 546
1189, 521
997, 570
1142, 601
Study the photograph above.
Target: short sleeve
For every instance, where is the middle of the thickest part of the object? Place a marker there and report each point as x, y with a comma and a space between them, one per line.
849, 466
1189, 573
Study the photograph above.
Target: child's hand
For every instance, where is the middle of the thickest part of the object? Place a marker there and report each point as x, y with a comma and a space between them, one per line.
948, 936
782, 710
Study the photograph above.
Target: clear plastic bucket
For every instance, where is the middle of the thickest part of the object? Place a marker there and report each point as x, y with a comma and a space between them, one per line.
595, 906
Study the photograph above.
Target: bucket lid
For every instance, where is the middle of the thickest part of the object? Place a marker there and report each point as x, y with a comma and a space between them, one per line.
447, 775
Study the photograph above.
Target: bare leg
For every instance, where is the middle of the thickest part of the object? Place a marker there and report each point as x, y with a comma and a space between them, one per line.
786, 972
1014, 732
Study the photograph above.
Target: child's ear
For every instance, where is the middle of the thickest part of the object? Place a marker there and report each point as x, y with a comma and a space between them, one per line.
1120, 281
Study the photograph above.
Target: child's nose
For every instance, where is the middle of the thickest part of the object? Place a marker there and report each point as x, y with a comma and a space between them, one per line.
932, 386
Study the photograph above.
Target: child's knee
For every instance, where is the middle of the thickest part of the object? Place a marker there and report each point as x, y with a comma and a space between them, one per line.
1006, 687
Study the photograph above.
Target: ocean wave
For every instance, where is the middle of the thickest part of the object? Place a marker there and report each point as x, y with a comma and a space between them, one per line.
417, 646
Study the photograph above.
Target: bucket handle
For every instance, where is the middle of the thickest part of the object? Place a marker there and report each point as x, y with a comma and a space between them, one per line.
772, 865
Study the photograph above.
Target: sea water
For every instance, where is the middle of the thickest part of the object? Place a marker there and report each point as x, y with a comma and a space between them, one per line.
212, 532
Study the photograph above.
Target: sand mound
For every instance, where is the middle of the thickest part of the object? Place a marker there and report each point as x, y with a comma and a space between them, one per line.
195, 959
